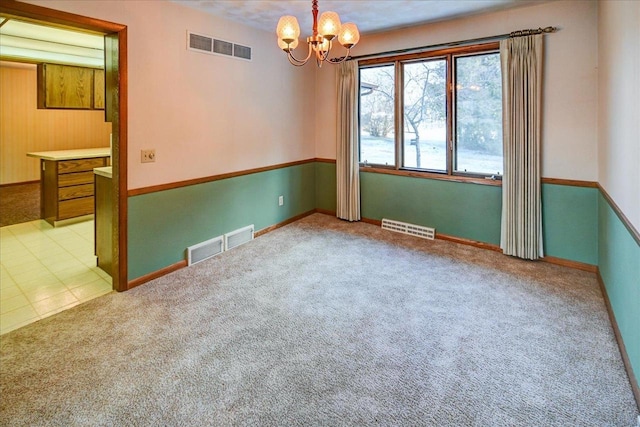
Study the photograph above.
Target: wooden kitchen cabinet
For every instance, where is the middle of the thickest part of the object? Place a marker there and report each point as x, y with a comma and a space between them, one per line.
67, 182
98, 89
67, 188
103, 224
70, 87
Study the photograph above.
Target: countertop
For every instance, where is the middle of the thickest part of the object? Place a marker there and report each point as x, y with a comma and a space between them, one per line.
105, 171
83, 153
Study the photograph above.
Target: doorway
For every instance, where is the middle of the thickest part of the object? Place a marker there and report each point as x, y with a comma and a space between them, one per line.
116, 111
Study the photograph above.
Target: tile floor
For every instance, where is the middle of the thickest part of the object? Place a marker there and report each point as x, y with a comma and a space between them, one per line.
45, 270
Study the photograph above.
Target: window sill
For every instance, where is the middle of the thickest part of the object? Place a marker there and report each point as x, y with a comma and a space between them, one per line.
431, 175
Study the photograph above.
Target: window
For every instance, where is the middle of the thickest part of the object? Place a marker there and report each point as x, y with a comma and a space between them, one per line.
435, 112
377, 121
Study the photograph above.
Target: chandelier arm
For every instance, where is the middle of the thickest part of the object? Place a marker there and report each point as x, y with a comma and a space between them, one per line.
323, 56
339, 60
295, 61
291, 61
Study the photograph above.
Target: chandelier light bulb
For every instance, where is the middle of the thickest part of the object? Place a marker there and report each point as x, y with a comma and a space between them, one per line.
324, 46
287, 47
349, 35
288, 29
329, 25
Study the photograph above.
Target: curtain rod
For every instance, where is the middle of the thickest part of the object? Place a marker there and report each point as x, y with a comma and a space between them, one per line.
519, 33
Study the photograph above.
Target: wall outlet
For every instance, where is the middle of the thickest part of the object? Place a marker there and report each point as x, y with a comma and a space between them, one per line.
147, 156
280, 200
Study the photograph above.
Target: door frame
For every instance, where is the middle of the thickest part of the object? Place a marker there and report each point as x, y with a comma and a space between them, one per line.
118, 113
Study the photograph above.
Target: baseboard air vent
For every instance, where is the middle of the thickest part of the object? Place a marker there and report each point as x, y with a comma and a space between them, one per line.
205, 250
411, 229
238, 237
208, 44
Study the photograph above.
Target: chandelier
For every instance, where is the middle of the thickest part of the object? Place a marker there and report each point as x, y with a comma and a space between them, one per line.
320, 42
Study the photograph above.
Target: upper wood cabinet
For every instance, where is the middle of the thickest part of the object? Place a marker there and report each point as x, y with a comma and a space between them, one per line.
98, 89
70, 87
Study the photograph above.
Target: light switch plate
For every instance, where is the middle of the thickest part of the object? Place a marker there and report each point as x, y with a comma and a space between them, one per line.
147, 156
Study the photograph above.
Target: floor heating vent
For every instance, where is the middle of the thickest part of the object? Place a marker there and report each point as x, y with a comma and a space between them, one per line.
411, 229
205, 250
238, 237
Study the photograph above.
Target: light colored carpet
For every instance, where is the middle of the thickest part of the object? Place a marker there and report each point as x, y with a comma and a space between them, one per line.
324, 322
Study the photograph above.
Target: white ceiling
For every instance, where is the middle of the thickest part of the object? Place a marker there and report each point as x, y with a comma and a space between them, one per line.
369, 15
30, 42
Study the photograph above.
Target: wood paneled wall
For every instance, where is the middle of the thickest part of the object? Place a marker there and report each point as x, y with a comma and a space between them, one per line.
24, 128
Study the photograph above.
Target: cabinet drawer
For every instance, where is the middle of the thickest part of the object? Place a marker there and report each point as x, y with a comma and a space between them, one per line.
67, 166
75, 191
75, 207
77, 178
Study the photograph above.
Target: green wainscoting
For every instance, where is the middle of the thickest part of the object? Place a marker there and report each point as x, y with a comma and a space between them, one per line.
472, 211
326, 186
469, 211
163, 224
619, 266
570, 222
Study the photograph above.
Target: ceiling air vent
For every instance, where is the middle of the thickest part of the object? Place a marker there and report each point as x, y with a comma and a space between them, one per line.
222, 47
198, 42
243, 52
208, 44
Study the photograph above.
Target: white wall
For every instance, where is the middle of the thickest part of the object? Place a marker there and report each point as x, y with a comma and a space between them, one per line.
570, 94
204, 114
619, 98
182, 103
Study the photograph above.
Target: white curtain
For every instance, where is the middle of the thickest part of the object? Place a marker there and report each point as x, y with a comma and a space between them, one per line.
521, 233
347, 167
